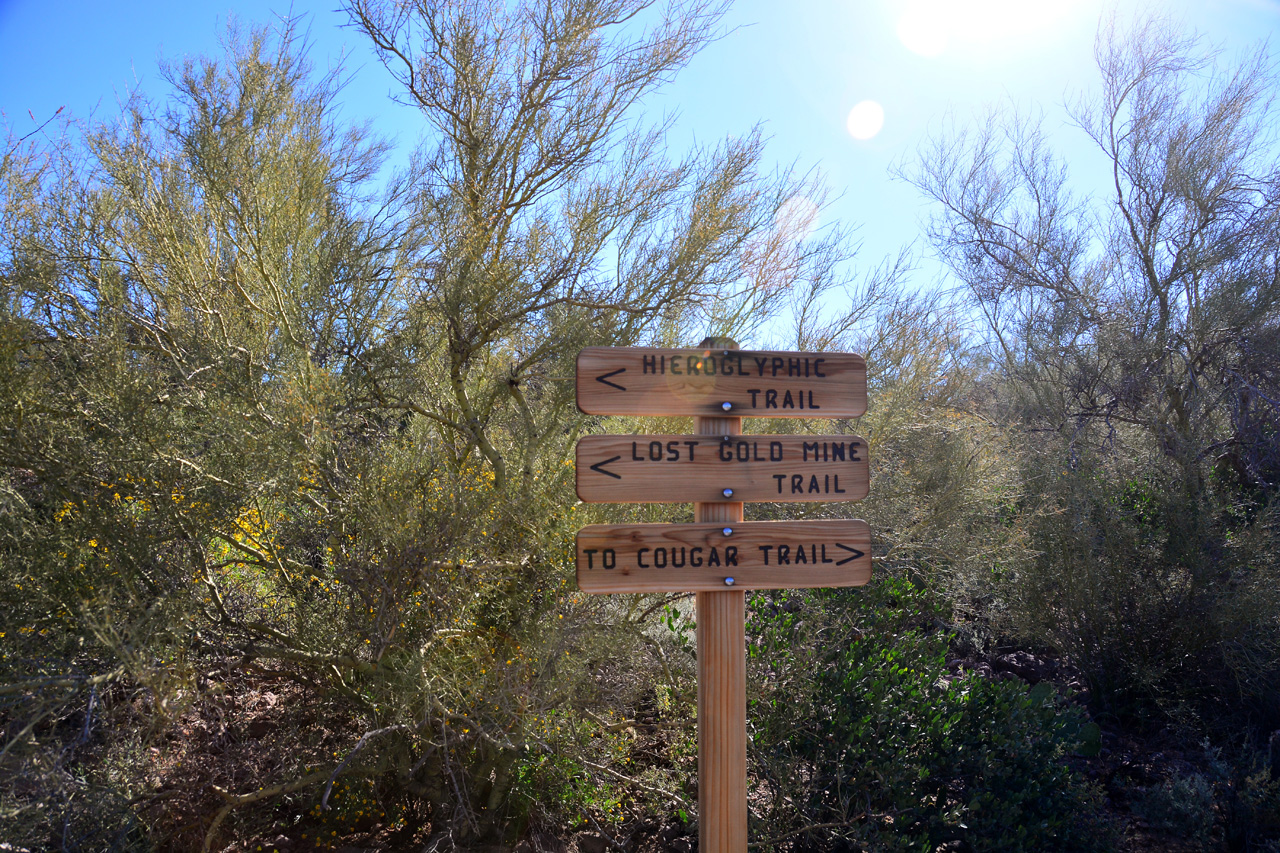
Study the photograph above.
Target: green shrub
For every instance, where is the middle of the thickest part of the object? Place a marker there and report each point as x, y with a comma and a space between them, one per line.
1182, 806
870, 740
1166, 601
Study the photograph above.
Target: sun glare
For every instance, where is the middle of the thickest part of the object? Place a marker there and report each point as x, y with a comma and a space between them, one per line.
921, 30
931, 27
797, 218
865, 120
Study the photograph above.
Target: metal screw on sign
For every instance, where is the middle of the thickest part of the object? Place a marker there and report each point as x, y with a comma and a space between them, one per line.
728, 581
726, 405
728, 493
728, 531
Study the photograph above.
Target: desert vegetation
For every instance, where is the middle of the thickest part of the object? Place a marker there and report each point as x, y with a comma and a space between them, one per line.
286, 461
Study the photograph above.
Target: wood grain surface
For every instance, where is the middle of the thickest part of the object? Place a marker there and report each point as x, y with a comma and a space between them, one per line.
679, 468
652, 381
722, 684
700, 557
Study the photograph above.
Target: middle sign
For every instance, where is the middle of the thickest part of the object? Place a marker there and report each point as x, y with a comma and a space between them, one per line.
682, 468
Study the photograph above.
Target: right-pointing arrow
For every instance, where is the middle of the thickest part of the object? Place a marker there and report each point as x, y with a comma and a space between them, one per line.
599, 468
854, 551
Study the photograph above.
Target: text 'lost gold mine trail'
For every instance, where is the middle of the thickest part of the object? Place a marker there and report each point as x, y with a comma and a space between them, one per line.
676, 468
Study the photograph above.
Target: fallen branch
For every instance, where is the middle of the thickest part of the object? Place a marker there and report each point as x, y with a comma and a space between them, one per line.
844, 824
61, 681
671, 796
612, 728
360, 744
234, 800
313, 658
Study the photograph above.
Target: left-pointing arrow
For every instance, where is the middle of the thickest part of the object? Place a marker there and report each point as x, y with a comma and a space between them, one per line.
854, 551
599, 468
604, 377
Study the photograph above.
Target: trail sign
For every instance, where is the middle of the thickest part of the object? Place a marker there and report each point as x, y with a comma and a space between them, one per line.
720, 556
730, 555
720, 382
678, 468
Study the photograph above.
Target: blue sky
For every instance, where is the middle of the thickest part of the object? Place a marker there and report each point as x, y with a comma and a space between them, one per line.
798, 66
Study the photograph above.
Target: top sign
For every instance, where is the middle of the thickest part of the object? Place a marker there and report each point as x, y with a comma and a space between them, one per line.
725, 383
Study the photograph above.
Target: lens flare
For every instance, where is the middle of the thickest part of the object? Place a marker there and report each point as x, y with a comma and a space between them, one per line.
865, 120
797, 217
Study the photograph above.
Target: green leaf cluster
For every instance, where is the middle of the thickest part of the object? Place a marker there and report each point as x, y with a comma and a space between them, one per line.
864, 735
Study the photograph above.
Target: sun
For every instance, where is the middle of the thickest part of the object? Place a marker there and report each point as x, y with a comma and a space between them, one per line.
931, 27
922, 30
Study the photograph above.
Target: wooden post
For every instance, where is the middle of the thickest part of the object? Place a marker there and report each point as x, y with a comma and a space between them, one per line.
722, 684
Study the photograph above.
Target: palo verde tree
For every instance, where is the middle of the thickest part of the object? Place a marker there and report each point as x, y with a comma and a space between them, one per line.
1134, 333
548, 216
176, 311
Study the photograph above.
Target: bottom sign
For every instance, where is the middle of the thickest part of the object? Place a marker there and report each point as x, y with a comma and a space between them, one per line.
704, 557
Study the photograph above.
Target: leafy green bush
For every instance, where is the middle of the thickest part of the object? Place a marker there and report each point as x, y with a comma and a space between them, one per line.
1182, 806
864, 737
1253, 821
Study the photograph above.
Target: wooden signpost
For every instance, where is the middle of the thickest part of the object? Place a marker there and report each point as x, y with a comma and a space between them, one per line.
720, 556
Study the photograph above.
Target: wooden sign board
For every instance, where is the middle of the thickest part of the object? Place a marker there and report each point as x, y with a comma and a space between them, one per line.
679, 468
703, 557
651, 381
